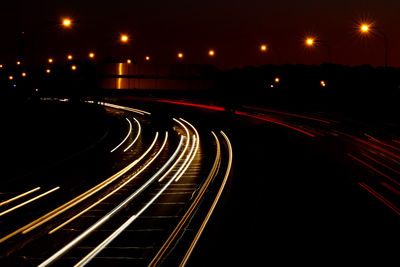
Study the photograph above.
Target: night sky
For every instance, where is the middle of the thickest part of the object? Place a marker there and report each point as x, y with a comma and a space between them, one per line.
233, 28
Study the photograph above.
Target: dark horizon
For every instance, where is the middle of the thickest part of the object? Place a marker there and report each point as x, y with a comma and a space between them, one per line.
233, 29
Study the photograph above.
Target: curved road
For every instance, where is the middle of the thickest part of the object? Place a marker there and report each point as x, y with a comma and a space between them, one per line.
188, 183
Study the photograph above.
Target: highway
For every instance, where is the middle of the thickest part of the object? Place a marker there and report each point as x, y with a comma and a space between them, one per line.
183, 183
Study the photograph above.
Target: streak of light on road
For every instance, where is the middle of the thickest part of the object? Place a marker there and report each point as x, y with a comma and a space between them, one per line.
171, 238
25, 229
191, 155
135, 110
19, 196
380, 198
115, 190
137, 135
29, 201
183, 152
274, 121
203, 225
126, 137
101, 221
128, 222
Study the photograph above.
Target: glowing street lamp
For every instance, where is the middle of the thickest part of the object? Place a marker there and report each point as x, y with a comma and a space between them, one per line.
69, 57
23, 74
366, 28
310, 41
48, 71
263, 48
91, 55
50, 60
129, 61
124, 38
66, 22
11, 77
147, 58
211, 53
73, 67
180, 55
277, 79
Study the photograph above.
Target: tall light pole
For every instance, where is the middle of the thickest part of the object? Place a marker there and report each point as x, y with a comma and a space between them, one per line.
312, 42
366, 28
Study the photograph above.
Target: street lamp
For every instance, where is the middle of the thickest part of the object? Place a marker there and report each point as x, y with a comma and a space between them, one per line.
211, 53
66, 22
263, 48
366, 28
180, 55
91, 55
312, 41
124, 38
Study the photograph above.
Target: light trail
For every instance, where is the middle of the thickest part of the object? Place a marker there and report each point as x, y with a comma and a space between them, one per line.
25, 229
183, 152
287, 114
88, 231
374, 169
274, 121
172, 237
191, 155
192, 105
126, 137
228, 170
135, 110
29, 201
137, 135
111, 237
186, 162
380, 198
19, 196
114, 191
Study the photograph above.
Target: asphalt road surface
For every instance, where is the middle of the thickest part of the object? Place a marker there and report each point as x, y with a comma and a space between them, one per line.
161, 182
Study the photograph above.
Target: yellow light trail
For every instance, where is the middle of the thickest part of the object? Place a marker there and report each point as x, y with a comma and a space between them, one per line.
203, 225
29, 201
115, 190
213, 172
191, 155
126, 137
19, 196
183, 152
141, 112
137, 135
126, 224
32, 225
88, 231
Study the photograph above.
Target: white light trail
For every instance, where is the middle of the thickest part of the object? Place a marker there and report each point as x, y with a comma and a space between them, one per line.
110, 238
137, 135
32, 225
88, 231
126, 137
114, 191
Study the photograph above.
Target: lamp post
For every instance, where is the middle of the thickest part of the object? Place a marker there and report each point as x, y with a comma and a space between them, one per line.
312, 42
366, 28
